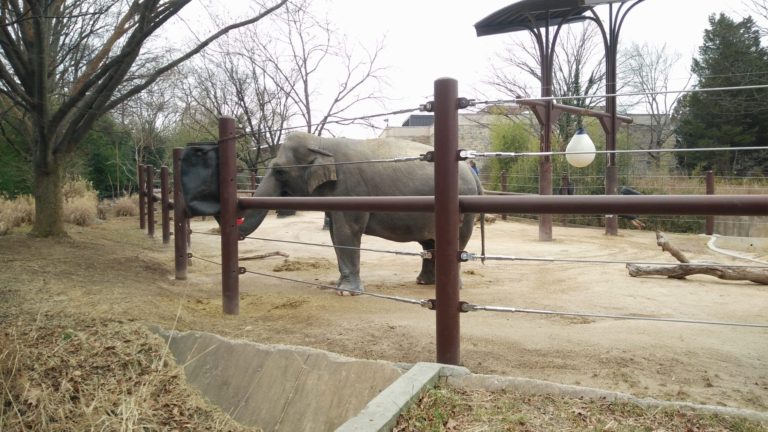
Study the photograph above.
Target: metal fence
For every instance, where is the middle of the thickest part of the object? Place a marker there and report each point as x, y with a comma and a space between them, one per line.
446, 203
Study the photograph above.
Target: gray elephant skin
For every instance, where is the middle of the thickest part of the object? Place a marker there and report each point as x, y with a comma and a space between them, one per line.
308, 165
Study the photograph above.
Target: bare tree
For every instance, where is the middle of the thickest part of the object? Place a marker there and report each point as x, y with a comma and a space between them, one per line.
149, 116
67, 63
323, 76
760, 9
578, 69
647, 70
230, 80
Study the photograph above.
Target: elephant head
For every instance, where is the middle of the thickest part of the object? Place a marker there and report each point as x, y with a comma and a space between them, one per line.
300, 168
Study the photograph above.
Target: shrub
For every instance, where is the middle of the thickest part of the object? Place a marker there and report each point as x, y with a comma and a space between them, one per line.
81, 210
17, 212
76, 187
126, 206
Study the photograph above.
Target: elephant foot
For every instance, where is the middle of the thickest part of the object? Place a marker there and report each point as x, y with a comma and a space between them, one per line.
423, 279
348, 293
349, 287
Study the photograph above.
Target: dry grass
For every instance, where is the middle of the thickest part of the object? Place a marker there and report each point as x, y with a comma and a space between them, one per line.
448, 409
17, 212
81, 210
80, 207
126, 206
683, 185
76, 188
59, 373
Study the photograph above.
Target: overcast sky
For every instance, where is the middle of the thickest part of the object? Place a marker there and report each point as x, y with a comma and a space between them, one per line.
428, 39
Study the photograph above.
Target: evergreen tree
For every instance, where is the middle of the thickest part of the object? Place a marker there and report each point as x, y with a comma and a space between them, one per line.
730, 56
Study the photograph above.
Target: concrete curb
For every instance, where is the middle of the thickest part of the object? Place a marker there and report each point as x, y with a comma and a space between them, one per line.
741, 255
382, 412
537, 387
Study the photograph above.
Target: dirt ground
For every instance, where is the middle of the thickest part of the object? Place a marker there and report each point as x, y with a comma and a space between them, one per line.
114, 271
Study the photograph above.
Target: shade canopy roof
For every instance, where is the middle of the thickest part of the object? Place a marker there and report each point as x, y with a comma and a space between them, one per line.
530, 14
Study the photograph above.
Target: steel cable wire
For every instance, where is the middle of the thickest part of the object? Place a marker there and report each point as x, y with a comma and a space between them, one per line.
422, 303
602, 96
390, 160
475, 154
468, 307
344, 122
423, 254
475, 257
468, 256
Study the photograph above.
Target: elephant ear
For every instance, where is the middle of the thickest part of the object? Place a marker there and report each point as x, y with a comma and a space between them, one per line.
323, 169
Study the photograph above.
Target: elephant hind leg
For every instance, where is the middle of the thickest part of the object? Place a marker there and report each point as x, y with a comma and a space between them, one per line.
427, 275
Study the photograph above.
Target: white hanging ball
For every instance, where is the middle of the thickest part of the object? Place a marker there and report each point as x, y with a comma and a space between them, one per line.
580, 151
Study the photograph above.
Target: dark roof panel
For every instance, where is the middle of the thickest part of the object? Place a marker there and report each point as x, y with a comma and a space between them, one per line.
419, 120
529, 14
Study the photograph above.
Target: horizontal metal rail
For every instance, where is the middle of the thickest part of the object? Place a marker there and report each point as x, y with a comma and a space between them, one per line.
726, 205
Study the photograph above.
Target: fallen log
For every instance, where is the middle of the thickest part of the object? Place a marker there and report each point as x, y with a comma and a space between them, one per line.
681, 271
718, 271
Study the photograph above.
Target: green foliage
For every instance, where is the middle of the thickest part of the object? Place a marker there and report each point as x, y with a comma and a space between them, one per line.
16, 172
730, 56
523, 174
106, 159
512, 136
523, 171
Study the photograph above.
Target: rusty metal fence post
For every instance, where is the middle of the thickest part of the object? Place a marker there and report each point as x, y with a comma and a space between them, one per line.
447, 220
142, 199
180, 227
228, 217
165, 203
149, 191
710, 182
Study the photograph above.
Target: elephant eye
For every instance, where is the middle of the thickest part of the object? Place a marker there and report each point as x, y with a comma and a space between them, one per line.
278, 173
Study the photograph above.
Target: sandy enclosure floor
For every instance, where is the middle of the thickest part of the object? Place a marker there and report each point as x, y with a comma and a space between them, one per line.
699, 363
114, 271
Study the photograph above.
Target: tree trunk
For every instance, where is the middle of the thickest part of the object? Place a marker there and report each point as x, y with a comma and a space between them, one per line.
49, 203
719, 271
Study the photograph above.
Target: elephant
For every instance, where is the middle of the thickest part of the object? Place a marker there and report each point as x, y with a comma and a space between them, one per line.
310, 166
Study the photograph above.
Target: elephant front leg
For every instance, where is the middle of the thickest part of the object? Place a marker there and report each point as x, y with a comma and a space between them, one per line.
346, 232
427, 275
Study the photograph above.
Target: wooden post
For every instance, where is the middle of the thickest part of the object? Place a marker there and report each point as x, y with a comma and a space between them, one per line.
142, 199
180, 227
447, 220
165, 205
230, 288
149, 191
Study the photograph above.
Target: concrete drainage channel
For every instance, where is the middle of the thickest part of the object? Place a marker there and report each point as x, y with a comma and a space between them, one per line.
277, 387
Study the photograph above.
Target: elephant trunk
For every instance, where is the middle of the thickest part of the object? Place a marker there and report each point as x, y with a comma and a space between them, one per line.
252, 218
